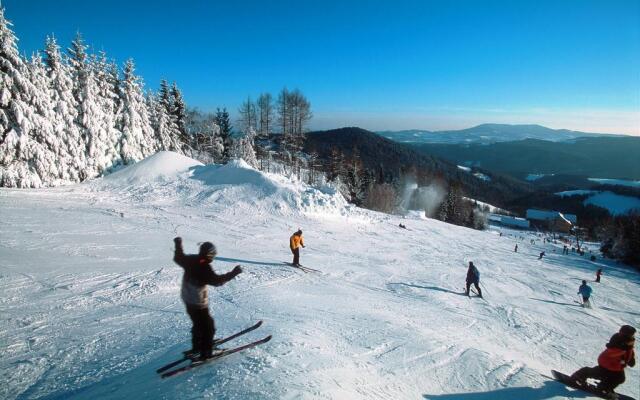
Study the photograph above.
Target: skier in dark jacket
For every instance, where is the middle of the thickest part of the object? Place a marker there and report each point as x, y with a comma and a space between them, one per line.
473, 276
612, 361
197, 275
598, 273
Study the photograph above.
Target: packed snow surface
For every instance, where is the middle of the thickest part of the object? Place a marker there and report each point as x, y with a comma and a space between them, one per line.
90, 303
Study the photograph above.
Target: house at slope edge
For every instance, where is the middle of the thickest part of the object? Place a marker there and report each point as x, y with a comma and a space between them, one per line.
551, 220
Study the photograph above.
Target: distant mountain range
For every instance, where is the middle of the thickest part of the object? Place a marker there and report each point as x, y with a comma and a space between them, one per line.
603, 156
486, 134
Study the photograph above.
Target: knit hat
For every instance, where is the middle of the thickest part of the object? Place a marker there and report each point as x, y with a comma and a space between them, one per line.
627, 330
207, 248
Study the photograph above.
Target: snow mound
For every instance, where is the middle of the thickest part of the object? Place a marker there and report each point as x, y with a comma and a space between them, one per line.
162, 166
237, 184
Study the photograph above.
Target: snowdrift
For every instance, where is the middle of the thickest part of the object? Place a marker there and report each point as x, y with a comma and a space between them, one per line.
235, 184
162, 166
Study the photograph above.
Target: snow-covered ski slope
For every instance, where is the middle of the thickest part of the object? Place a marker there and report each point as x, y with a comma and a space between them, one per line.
90, 306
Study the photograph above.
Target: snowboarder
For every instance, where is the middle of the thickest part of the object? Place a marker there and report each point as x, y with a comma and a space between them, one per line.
473, 276
516, 249
585, 290
295, 242
598, 273
197, 275
611, 362
541, 255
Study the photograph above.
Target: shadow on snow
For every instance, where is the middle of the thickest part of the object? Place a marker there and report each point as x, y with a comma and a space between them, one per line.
549, 390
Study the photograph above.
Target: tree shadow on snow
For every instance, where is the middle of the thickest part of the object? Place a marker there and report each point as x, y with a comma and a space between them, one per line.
437, 289
549, 390
556, 302
619, 311
237, 260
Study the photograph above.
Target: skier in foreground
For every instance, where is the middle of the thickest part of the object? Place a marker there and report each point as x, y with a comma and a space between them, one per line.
611, 363
585, 290
295, 242
473, 276
197, 275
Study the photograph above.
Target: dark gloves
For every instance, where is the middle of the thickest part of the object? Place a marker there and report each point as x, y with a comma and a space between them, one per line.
236, 270
177, 240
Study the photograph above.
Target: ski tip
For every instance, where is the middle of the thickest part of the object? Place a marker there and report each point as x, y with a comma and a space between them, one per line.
265, 340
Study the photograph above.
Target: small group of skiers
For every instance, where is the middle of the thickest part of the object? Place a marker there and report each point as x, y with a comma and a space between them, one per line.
198, 273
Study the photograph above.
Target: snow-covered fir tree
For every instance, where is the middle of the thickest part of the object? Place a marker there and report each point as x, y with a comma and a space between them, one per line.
179, 112
65, 108
243, 147
104, 150
165, 133
18, 118
137, 133
164, 121
43, 147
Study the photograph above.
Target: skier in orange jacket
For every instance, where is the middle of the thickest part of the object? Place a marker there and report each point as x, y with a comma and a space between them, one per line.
295, 242
611, 363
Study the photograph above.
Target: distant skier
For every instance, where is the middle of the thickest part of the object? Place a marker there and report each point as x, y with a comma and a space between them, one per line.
295, 242
197, 275
598, 273
402, 226
473, 276
585, 290
611, 363
541, 255
516, 249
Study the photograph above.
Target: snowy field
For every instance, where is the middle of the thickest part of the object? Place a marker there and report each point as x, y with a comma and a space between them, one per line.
90, 306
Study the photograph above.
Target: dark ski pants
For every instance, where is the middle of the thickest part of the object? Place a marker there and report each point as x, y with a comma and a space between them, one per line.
609, 380
296, 256
477, 288
202, 331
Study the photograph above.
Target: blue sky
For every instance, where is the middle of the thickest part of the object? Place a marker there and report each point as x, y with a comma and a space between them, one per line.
376, 64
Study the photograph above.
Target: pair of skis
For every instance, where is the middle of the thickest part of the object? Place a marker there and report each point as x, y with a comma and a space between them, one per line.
587, 387
302, 268
167, 371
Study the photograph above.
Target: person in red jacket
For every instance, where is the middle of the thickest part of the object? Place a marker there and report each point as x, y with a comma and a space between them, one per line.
611, 363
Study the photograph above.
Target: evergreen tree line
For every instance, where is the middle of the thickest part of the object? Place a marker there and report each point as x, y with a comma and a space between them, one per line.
378, 190
69, 117
620, 238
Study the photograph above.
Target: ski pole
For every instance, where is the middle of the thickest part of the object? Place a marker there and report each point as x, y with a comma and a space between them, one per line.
483, 287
